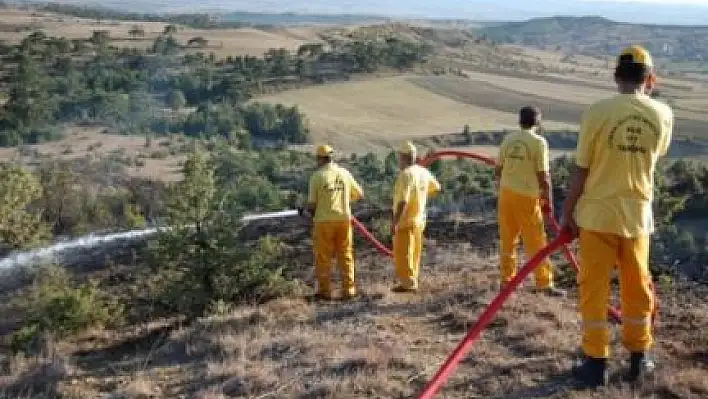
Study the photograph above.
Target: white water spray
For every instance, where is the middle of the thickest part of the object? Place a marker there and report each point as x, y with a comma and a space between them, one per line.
49, 253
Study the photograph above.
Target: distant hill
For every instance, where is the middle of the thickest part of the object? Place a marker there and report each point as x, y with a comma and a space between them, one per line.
599, 36
658, 12
265, 18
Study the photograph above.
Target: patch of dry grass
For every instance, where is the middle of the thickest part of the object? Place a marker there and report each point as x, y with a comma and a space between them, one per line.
153, 161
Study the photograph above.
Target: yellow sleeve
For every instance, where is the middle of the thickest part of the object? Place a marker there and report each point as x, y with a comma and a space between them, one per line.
667, 127
313, 186
584, 150
500, 157
433, 185
356, 192
543, 163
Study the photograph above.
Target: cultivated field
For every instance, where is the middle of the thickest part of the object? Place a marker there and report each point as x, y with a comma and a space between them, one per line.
366, 115
223, 42
564, 103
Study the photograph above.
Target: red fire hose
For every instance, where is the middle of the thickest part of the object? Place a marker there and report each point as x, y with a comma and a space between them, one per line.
612, 312
370, 237
562, 239
446, 369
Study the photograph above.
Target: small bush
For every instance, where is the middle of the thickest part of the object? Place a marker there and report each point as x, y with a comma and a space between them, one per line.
162, 154
201, 261
94, 146
52, 306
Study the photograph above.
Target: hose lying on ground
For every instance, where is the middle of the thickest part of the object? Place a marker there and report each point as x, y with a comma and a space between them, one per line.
560, 242
451, 362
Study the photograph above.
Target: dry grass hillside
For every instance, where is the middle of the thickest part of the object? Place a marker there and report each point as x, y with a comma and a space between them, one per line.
382, 345
16, 24
157, 158
678, 47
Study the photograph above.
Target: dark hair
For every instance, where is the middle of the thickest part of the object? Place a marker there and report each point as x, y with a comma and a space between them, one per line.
529, 117
628, 71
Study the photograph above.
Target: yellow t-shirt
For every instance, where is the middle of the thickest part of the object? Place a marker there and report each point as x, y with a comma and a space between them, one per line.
522, 155
620, 141
413, 186
331, 190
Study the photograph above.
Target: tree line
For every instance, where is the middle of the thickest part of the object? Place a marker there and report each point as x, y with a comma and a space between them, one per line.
50, 81
197, 21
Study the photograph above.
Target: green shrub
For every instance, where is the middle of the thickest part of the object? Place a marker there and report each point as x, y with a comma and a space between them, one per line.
201, 260
20, 226
52, 306
162, 154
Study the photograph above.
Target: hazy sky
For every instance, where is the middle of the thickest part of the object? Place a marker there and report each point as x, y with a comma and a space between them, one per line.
684, 12
699, 2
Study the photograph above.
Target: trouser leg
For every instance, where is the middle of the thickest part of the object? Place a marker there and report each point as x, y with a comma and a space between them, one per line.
417, 252
508, 237
322, 247
345, 258
636, 294
403, 257
597, 256
534, 239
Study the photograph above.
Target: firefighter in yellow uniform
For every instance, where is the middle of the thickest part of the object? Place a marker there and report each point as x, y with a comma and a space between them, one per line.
524, 194
610, 207
413, 186
331, 189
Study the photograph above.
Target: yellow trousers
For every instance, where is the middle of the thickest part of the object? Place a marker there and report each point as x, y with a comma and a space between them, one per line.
330, 239
520, 216
598, 255
407, 248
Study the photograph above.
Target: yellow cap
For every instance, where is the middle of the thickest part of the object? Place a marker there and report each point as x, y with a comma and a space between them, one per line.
408, 148
636, 54
324, 150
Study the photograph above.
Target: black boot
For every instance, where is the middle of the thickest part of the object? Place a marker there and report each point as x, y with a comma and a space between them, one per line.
639, 366
592, 372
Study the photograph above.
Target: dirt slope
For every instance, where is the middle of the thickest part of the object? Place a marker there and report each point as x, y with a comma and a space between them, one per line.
381, 346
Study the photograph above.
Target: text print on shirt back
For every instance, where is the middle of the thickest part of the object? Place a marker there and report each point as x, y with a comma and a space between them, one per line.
517, 150
336, 185
630, 135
